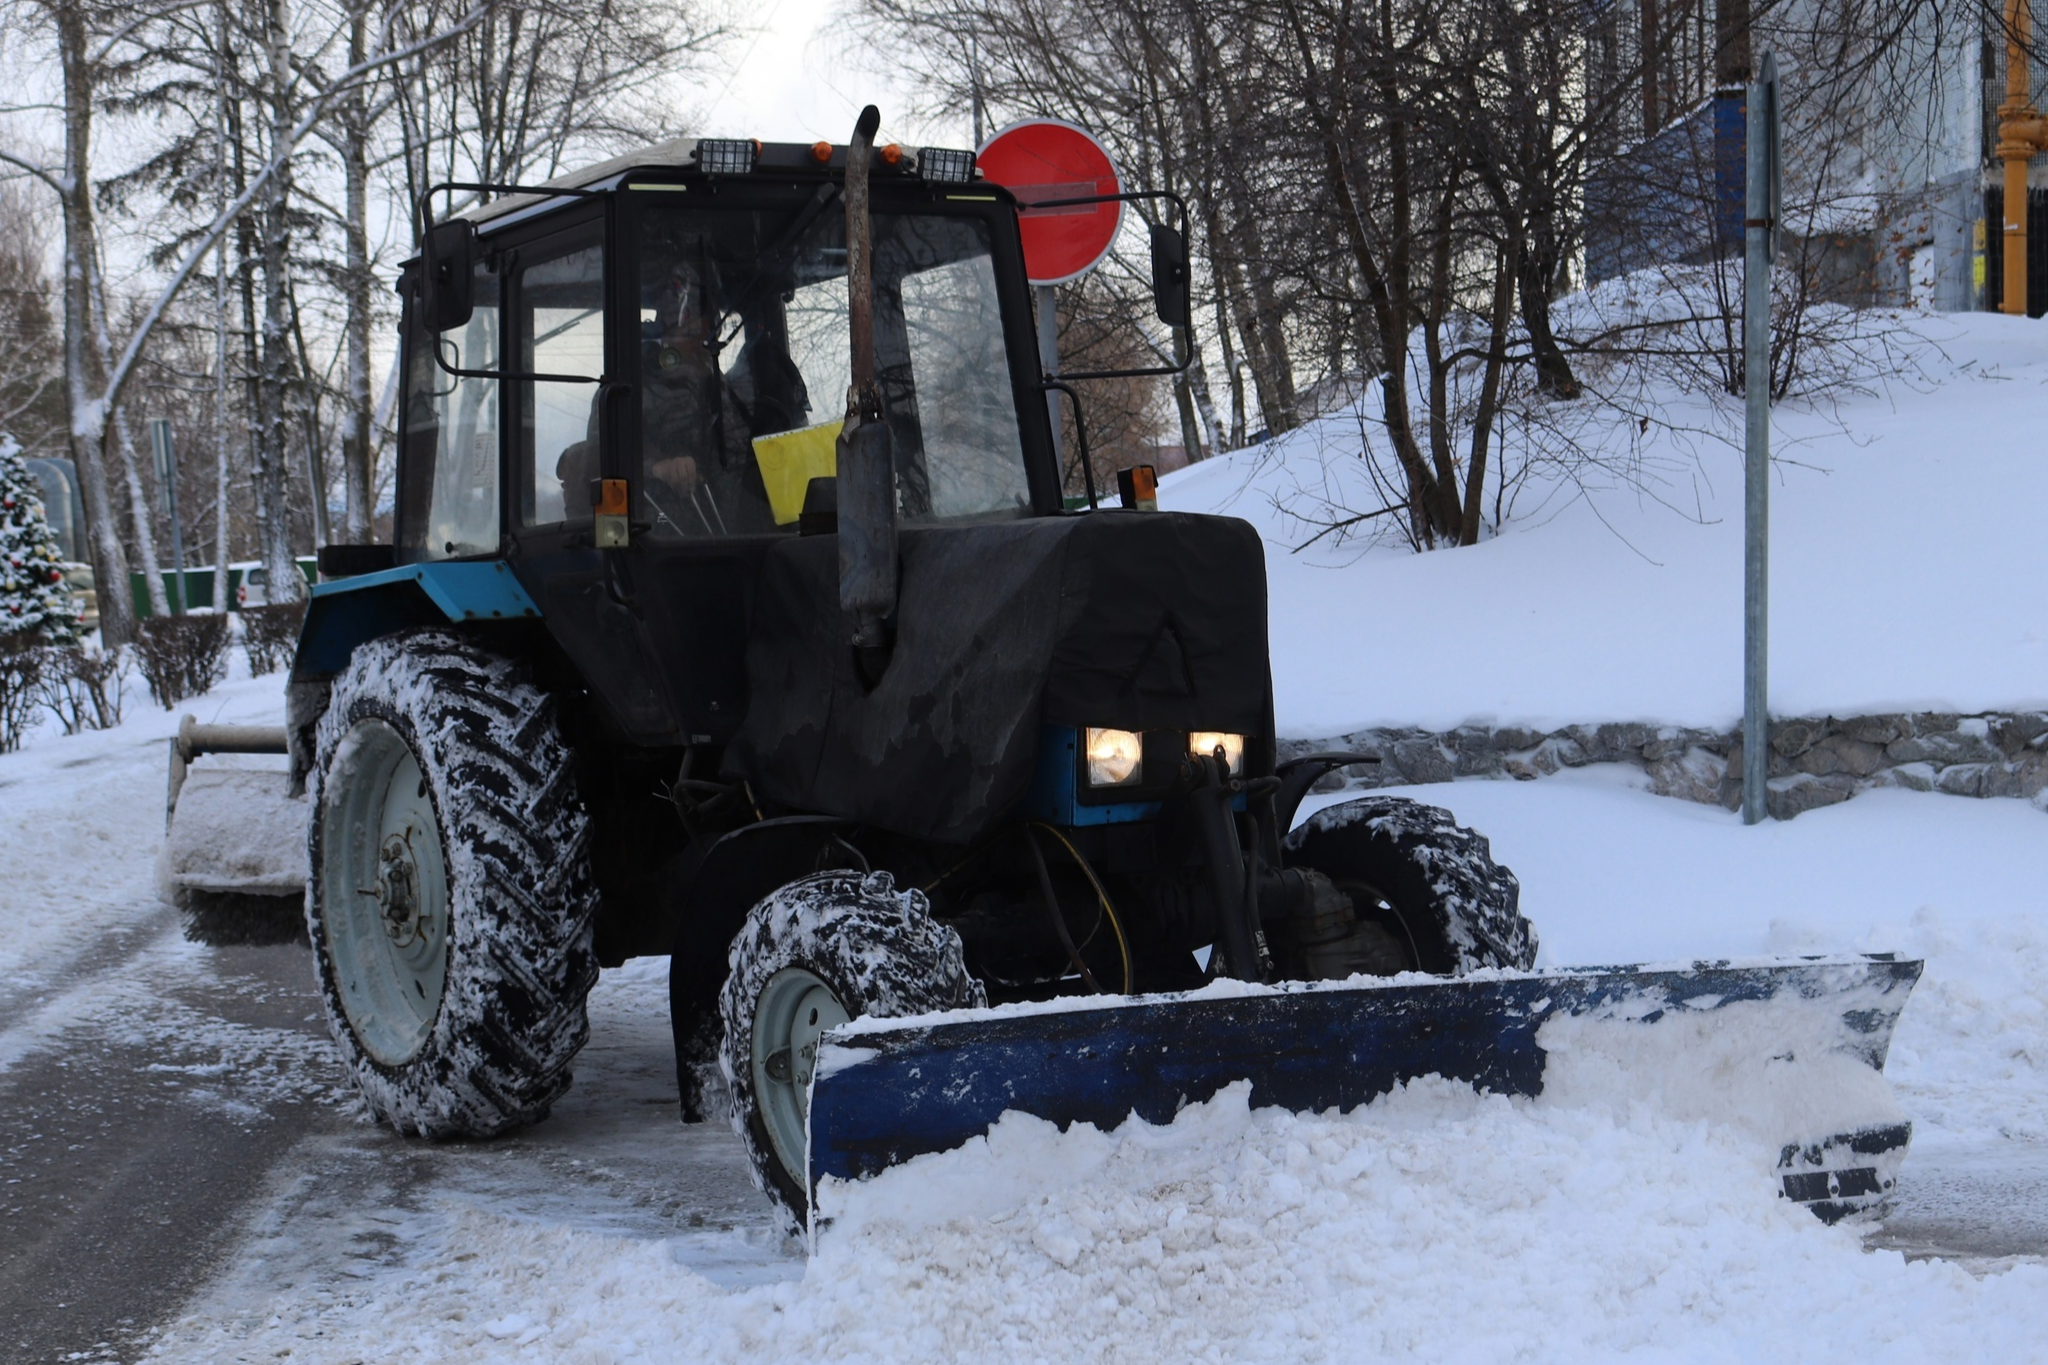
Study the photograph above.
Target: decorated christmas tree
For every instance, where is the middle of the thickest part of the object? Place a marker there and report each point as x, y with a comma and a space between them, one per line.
34, 601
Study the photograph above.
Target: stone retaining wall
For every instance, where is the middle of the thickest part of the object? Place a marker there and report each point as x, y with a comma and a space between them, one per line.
1813, 762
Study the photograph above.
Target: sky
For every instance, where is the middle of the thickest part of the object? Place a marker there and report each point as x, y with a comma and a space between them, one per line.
789, 82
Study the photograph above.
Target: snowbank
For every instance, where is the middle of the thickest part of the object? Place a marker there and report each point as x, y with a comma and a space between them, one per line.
82, 819
1435, 1225
1903, 573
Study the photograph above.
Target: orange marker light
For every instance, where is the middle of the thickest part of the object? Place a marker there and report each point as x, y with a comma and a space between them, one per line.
821, 152
1138, 488
891, 154
611, 498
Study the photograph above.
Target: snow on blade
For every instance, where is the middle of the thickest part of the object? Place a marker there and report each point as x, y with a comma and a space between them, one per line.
235, 830
1780, 1070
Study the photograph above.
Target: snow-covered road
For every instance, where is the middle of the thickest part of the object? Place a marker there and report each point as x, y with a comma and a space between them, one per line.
252, 1214
194, 1185
183, 1148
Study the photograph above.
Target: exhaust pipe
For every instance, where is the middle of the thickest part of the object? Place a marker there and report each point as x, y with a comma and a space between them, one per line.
867, 466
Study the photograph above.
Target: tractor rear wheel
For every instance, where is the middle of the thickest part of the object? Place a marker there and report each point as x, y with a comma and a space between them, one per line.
1426, 891
452, 897
821, 951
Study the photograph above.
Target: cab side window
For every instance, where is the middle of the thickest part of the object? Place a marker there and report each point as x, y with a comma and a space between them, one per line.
558, 329
448, 506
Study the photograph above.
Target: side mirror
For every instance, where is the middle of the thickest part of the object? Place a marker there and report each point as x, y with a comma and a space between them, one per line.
447, 275
1171, 286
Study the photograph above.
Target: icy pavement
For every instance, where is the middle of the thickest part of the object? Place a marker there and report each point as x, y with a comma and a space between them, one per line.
137, 1109
179, 1145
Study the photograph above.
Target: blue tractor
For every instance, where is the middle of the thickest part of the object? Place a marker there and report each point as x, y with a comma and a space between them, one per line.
733, 613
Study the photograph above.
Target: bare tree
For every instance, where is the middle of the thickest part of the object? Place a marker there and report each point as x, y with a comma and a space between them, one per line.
31, 392
95, 46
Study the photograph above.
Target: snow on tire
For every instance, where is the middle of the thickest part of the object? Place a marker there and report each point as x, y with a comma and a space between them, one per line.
822, 949
451, 899
1460, 906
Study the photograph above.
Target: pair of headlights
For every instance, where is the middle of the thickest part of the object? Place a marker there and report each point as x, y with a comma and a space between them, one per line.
1116, 758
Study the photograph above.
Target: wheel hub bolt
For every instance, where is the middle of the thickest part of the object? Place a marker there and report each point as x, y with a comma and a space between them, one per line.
398, 891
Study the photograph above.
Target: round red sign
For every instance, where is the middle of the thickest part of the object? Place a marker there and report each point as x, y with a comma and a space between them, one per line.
1043, 160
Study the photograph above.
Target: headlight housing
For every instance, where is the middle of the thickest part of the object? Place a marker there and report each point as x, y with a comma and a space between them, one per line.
945, 163
1205, 743
1116, 758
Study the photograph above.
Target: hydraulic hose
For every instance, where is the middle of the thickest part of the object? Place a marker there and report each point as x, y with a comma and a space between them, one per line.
1052, 909
1116, 926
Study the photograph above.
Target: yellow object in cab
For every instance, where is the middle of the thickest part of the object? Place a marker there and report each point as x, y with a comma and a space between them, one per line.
789, 460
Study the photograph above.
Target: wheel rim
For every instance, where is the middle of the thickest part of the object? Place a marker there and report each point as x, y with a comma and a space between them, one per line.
384, 893
793, 1011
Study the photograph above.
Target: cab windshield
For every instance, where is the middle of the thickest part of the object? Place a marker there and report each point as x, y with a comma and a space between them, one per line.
743, 366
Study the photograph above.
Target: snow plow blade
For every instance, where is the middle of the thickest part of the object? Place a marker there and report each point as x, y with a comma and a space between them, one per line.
234, 856
1792, 1050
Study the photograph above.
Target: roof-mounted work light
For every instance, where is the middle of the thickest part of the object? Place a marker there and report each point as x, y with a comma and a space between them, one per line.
945, 163
727, 155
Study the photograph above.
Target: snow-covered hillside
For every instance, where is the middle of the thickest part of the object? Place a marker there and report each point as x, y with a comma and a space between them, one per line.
1906, 573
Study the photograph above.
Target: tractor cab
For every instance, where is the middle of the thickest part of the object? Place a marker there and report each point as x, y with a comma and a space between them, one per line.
674, 328
670, 320
745, 450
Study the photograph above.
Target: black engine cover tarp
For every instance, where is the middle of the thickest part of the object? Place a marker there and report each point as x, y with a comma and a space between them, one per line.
1139, 620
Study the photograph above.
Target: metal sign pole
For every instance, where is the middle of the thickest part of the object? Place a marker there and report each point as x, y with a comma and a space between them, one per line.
1761, 231
167, 479
1049, 361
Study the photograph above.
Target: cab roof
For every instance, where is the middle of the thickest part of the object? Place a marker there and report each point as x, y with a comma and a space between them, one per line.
685, 156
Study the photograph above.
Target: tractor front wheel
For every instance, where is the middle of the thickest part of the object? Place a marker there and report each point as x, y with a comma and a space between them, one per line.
1425, 891
821, 951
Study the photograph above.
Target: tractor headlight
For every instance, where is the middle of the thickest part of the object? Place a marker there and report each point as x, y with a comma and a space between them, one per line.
945, 163
1207, 742
727, 155
1116, 758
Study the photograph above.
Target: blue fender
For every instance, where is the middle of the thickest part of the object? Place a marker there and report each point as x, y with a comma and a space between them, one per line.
350, 611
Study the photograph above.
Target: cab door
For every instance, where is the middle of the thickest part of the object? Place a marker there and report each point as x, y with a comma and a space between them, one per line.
562, 416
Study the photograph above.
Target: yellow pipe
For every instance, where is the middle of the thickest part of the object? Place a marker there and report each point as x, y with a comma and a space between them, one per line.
2021, 133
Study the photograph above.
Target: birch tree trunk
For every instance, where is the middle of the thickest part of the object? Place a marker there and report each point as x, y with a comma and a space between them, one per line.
84, 372
139, 512
1205, 405
275, 369
223, 448
358, 477
131, 472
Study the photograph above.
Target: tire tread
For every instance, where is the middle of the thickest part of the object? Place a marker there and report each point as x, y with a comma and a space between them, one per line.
522, 895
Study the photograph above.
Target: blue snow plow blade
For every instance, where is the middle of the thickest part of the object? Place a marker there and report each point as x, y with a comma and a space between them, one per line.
1797, 1046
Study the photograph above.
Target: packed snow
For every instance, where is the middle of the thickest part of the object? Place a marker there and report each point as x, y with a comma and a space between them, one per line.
1601, 1222
84, 819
